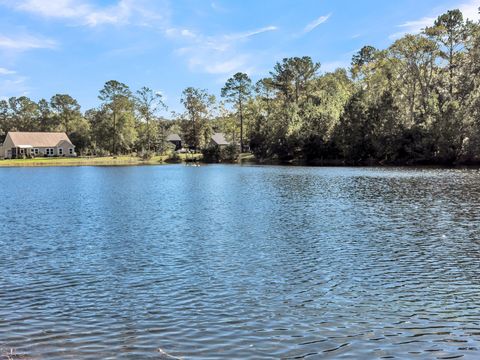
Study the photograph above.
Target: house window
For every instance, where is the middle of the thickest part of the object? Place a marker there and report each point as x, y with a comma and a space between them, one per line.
60, 151
22, 151
70, 151
35, 151
49, 152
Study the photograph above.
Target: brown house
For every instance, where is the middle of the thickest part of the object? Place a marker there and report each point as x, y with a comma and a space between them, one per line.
36, 144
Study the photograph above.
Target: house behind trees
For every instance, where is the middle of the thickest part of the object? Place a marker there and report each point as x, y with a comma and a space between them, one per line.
36, 144
218, 139
176, 140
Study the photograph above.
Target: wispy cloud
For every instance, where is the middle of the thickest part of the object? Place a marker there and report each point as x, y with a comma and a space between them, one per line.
13, 86
251, 33
84, 12
213, 54
216, 6
220, 54
469, 10
25, 42
179, 33
316, 23
413, 27
4, 71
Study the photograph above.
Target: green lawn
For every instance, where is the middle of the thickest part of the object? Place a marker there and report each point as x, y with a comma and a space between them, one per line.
94, 161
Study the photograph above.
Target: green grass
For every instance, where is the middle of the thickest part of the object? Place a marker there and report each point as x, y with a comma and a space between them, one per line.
94, 161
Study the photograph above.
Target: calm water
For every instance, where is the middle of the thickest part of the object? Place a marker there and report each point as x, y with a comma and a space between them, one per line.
230, 262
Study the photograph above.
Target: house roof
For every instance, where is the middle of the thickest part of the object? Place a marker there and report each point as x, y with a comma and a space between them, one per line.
219, 139
38, 139
174, 137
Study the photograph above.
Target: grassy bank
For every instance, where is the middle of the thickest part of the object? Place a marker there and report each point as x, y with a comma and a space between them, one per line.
97, 161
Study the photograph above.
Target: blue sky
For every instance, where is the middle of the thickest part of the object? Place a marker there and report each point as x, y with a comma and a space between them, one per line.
75, 46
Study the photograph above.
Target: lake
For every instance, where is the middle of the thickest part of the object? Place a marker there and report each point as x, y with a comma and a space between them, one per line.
239, 262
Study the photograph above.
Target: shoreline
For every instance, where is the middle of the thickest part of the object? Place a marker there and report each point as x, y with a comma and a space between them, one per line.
244, 159
93, 161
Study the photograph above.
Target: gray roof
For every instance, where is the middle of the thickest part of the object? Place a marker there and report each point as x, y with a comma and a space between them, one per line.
174, 137
219, 139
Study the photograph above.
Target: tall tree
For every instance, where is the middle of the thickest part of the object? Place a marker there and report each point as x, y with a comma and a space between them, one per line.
365, 56
4, 119
24, 114
265, 91
414, 64
449, 32
237, 90
66, 109
197, 103
117, 98
149, 104
291, 77
46, 119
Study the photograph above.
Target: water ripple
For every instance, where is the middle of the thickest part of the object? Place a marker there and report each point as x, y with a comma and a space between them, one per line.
228, 262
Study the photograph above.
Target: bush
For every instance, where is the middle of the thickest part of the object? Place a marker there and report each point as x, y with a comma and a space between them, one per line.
174, 158
211, 154
147, 155
215, 154
229, 153
101, 152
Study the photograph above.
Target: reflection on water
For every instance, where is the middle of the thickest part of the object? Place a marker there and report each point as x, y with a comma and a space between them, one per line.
228, 262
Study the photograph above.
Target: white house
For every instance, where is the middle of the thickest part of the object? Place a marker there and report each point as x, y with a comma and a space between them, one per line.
35, 144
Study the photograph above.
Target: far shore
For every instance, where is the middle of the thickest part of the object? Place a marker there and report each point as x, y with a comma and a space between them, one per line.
245, 158
122, 160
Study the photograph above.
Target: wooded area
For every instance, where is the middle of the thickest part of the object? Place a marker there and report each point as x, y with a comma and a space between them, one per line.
417, 102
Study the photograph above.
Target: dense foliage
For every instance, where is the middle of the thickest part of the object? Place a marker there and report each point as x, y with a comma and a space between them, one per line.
416, 102
216, 154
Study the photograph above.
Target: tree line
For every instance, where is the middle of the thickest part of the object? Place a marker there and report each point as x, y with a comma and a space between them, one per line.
416, 102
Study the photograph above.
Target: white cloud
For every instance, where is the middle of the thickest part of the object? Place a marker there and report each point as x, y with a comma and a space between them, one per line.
83, 12
413, 27
251, 33
219, 54
316, 23
14, 86
52, 8
176, 33
216, 6
212, 61
416, 26
227, 66
4, 71
469, 10
25, 42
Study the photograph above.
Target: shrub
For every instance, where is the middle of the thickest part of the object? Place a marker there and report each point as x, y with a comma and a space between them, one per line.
174, 158
101, 152
211, 154
215, 154
229, 153
147, 155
